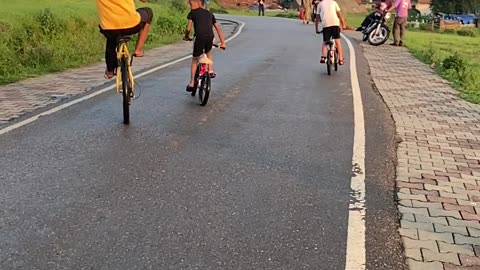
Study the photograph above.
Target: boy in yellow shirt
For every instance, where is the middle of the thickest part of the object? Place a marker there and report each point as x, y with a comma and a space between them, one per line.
120, 18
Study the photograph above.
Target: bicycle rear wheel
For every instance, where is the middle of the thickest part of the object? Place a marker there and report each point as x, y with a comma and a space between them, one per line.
329, 65
336, 60
204, 90
126, 87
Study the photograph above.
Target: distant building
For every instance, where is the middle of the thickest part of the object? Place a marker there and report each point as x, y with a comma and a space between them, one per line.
423, 6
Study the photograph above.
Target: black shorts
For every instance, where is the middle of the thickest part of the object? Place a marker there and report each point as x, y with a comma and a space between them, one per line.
146, 17
332, 31
202, 45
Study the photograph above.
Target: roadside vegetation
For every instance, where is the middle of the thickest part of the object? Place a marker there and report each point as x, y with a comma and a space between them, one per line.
42, 36
454, 54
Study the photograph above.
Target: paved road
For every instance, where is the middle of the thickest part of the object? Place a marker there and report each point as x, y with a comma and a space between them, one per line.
258, 179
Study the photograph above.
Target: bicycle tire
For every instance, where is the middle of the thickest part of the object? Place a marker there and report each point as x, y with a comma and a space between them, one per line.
204, 90
329, 66
126, 89
336, 61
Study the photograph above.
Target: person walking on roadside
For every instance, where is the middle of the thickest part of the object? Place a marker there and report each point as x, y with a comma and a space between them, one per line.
261, 8
401, 15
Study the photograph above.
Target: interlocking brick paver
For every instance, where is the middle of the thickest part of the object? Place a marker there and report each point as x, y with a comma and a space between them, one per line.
416, 265
409, 217
431, 256
427, 204
460, 249
441, 134
427, 219
473, 232
451, 229
461, 208
417, 225
410, 233
460, 239
460, 267
403, 196
415, 254
410, 210
463, 223
418, 244
470, 216
428, 235
26, 96
444, 213
469, 260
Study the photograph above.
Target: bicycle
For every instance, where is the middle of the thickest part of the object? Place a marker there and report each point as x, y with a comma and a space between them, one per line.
125, 82
203, 81
332, 56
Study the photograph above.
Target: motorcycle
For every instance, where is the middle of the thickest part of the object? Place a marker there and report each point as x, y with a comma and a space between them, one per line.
377, 32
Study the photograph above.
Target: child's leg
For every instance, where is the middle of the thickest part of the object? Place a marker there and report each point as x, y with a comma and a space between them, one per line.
110, 57
324, 49
193, 70
146, 15
210, 67
142, 37
338, 42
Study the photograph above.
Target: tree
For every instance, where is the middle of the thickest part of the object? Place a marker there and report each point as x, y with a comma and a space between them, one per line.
457, 6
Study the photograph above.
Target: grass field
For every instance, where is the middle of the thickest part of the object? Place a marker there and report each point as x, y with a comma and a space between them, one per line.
42, 36
455, 57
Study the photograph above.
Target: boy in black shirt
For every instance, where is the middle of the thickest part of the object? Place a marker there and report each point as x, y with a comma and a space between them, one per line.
203, 21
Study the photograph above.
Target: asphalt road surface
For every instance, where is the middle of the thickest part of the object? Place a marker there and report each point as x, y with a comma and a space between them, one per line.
257, 179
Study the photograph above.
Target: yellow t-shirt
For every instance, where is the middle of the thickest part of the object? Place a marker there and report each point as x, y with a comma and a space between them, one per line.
117, 14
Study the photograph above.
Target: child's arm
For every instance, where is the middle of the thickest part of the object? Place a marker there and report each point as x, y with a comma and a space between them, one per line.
188, 30
317, 21
342, 19
220, 35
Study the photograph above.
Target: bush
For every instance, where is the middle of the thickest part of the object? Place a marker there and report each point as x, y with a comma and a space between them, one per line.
467, 32
54, 39
425, 27
455, 69
179, 6
454, 65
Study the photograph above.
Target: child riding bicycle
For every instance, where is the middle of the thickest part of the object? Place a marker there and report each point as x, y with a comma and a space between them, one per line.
329, 13
203, 22
119, 18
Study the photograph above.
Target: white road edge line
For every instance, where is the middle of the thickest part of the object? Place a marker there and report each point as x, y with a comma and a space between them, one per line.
103, 90
356, 254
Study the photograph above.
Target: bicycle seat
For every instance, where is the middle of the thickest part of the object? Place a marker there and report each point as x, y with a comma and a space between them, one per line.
125, 39
330, 42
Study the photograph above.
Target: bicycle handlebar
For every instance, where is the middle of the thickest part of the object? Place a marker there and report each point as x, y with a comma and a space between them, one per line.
214, 45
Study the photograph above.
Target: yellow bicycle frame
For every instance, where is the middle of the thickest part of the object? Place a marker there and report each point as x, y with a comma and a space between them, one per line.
122, 51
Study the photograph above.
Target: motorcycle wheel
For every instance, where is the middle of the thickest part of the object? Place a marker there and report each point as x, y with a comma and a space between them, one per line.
380, 38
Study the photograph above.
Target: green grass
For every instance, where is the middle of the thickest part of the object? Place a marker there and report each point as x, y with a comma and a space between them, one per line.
43, 36
354, 20
455, 57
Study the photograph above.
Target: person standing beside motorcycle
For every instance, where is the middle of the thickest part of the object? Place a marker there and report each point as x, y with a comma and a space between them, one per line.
399, 26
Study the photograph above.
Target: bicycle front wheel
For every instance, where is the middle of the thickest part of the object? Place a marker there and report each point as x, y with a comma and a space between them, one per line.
204, 90
126, 87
